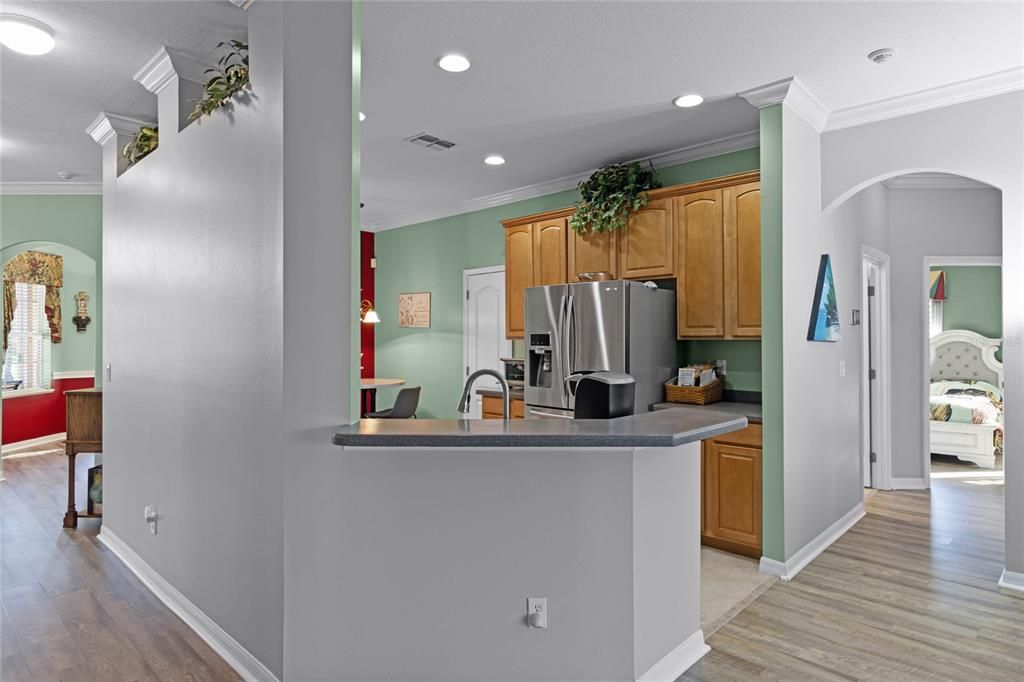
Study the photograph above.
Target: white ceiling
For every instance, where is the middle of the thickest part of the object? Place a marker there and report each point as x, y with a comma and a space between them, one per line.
558, 88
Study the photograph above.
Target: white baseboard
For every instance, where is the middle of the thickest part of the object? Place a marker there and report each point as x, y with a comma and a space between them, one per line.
1011, 580
787, 570
31, 442
909, 484
678, 661
233, 653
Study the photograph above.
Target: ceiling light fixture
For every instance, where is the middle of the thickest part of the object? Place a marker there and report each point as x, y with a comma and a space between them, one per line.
25, 35
66, 175
494, 160
362, 116
453, 63
882, 56
687, 101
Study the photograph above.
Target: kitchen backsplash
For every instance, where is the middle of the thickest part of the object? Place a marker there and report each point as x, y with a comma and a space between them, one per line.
743, 359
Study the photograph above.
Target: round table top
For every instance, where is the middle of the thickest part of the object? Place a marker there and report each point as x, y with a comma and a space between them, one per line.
377, 382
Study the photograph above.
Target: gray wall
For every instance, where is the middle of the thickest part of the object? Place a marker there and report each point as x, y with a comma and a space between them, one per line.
927, 222
228, 359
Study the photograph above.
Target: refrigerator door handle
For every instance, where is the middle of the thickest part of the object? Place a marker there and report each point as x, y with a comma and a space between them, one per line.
571, 343
563, 341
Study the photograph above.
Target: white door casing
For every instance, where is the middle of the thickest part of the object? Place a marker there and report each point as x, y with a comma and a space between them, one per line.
484, 342
876, 401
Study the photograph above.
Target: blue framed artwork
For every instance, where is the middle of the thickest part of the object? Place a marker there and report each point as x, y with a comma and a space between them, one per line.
824, 324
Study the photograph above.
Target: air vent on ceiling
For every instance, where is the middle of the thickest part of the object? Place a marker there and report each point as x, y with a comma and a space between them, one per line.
430, 142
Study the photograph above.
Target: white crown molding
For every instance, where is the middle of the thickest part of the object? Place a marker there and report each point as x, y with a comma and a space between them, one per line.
107, 125
933, 181
940, 96
227, 647
58, 187
703, 150
164, 66
806, 105
766, 95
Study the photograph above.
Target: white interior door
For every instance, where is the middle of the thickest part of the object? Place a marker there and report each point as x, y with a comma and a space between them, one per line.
484, 327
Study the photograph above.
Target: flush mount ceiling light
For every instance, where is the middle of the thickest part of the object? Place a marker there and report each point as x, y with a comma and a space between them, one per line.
25, 35
362, 116
453, 63
882, 56
66, 175
494, 160
687, 101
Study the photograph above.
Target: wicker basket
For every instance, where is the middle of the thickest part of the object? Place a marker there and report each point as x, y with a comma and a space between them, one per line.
693, 395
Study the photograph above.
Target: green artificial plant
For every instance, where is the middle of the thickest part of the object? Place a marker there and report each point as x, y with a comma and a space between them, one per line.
145, 140
230, 77
609, 195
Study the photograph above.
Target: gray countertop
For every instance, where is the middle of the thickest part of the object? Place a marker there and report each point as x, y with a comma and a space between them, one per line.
664, 428
752, 411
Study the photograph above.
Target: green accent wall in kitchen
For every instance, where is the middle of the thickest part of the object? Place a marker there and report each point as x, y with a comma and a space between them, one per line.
74, 221
431, 256
742, 357
974, 299
772, 482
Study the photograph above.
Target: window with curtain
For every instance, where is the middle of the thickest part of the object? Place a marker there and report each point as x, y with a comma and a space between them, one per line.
27, 362
934, 318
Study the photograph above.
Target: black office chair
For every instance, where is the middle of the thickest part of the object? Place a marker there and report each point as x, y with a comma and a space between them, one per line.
404, 408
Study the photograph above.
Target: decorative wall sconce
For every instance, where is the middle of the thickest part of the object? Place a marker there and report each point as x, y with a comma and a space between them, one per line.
367, 314
81, 318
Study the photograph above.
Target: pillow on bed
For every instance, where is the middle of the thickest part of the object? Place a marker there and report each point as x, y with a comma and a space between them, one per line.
944, 387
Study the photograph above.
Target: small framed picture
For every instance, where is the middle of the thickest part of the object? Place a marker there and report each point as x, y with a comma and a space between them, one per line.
414, 310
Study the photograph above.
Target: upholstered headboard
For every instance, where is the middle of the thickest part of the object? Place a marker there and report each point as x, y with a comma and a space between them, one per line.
961, 355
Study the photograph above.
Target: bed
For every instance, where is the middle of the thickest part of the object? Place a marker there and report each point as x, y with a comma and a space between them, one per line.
966, 397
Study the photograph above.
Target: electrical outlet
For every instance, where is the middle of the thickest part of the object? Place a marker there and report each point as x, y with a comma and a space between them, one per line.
149, 513
537, 612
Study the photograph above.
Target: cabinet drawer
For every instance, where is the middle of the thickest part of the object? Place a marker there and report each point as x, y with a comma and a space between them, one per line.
517, 409
750, 436
491, 407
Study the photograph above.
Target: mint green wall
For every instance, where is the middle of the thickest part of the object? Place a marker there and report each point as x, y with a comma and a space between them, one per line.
77, 351
772, 528
431, 257
73, 221
974, 299
742, 357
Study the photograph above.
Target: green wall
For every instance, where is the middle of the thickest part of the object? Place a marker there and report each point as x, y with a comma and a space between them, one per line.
73, 221
974, 299
742, 357
77, 351
773, 519
431, 256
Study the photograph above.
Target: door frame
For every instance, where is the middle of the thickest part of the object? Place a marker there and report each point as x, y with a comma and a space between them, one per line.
883, 366
924, 343
466, 274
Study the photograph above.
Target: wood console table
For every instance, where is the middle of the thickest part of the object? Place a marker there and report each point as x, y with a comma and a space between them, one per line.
85, 434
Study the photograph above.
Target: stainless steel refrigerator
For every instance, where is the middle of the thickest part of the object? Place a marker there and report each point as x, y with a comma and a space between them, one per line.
617, 326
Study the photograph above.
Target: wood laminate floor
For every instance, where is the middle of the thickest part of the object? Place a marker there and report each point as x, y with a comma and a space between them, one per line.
70, 610
909, 593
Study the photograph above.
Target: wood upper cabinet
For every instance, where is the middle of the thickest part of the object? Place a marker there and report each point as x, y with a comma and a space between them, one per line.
699, 261
647, 244
743, 260
549, 252
731, 495
592, 252
519, 274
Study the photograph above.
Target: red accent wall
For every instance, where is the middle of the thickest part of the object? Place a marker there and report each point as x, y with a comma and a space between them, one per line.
366, 293
40, 415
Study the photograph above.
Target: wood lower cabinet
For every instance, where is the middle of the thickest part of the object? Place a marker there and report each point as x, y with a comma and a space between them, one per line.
593, 252
519, 274
549, 252
700, 245
731, 492
647, 243
743, 260
492, 408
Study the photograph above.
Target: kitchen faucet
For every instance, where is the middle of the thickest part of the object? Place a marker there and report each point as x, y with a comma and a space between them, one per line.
464, 403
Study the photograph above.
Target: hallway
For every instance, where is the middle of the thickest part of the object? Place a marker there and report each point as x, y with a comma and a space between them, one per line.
71, 611
908, 593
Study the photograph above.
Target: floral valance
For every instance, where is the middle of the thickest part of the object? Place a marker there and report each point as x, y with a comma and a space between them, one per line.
33, 267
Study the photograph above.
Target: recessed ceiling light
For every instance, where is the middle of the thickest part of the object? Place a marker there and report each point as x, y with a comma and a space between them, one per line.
687, 101
494, 160
362, 116
454, 63
25, 35
882, 56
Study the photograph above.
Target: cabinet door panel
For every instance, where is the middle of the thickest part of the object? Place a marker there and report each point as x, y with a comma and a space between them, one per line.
733, 500
517, 409
743, 260
519, 268
699, 248
549, 258
592, 252
646, 244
